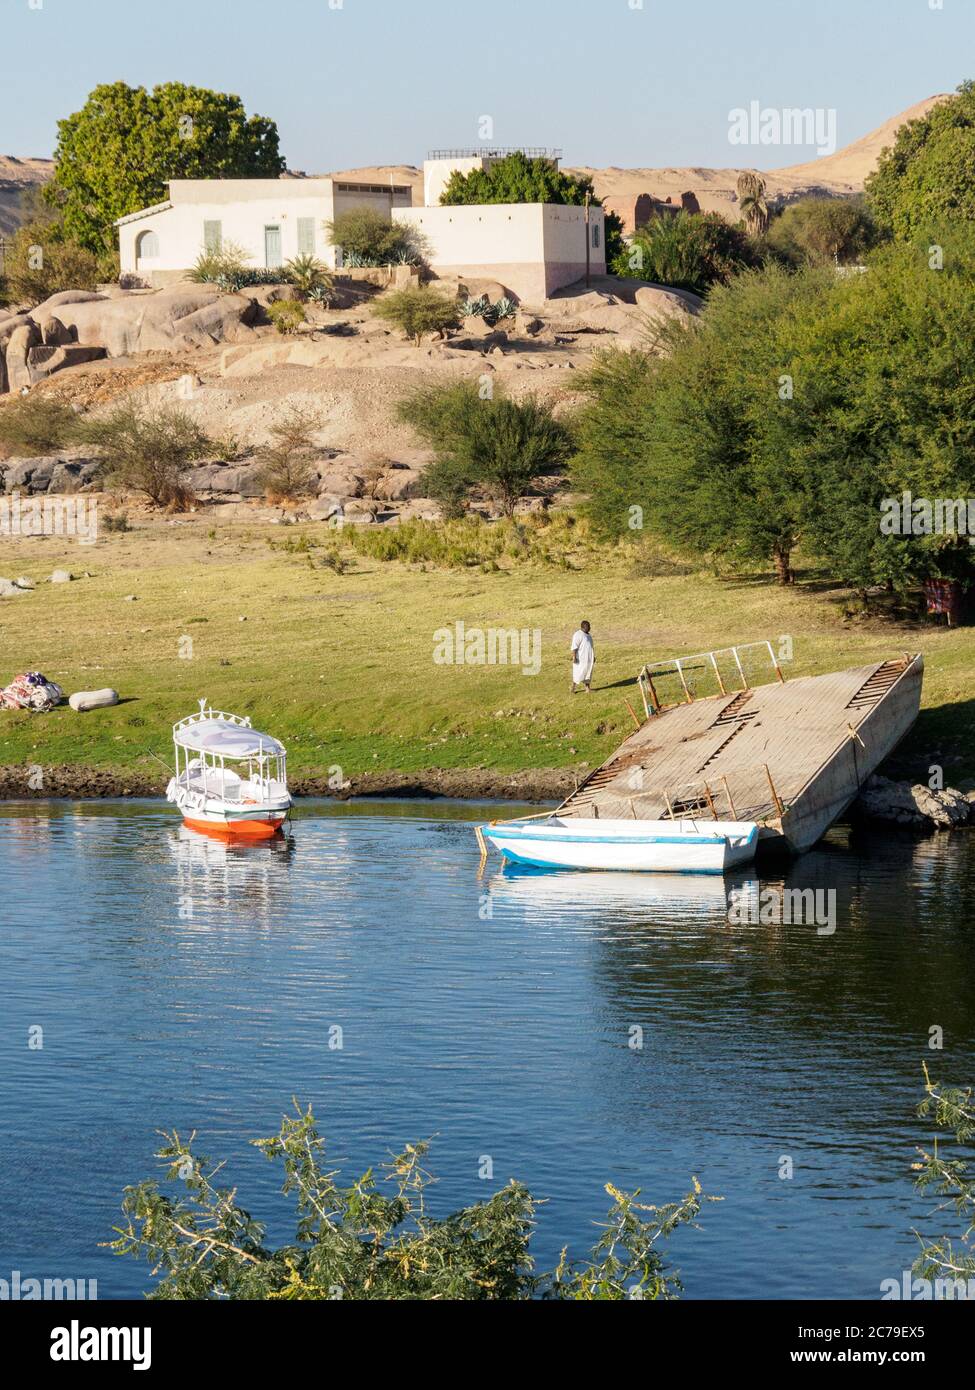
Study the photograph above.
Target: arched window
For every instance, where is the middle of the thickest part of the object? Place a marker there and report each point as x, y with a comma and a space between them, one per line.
147, 246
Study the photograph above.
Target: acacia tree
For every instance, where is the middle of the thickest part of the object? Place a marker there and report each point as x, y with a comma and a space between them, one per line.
117, 153
949, 1175
692, 441
493, 444
367, 1240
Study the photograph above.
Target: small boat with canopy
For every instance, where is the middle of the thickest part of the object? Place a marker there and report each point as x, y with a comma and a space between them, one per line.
230, 778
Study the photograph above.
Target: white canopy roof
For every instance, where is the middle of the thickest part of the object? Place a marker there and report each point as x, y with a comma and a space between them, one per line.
227, 740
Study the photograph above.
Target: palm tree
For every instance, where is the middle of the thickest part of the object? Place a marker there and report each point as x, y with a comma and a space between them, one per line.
752, 202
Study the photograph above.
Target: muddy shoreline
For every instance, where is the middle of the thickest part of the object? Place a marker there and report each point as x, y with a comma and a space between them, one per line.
85, 783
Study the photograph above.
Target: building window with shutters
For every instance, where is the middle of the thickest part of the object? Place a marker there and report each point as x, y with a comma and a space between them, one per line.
306, 236
213, 237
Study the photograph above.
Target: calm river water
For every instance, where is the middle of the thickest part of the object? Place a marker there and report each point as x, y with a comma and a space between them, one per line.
182, 984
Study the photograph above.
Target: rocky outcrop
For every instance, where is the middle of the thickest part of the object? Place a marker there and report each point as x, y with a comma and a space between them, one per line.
906, 803
80, 326
51, 473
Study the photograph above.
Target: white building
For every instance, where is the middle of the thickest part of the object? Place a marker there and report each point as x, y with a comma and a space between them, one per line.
273, 220
531, 249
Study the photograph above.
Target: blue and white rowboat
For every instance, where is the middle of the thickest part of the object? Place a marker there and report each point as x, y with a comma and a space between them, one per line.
661, 846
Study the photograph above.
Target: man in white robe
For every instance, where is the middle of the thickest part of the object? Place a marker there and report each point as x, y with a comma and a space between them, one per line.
583, 659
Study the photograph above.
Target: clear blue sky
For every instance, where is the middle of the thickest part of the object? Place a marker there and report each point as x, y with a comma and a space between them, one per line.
381, 81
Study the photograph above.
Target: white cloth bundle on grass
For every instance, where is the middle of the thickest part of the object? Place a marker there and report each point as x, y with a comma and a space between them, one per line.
92, 699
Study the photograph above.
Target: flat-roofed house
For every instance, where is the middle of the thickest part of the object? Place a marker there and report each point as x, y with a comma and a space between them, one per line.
272, 220
532, 249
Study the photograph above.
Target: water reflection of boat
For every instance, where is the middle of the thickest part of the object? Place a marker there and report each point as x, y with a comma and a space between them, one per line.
231, 873
578, 892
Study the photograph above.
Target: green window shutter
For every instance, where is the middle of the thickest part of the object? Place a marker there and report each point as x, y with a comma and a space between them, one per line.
306, 236
213, 236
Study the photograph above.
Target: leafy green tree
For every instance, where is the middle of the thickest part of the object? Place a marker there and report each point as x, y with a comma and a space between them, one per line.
517, 178
887, 406
690, 441
687, 251
377, 1240
117, 153
791, 412
823, 231
417, 310
493, 444
928, 174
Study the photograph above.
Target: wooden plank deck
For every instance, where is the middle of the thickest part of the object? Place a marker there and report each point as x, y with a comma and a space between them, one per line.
714, 752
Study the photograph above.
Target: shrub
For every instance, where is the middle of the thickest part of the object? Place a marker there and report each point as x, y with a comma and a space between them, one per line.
287, 315
310, 278
226, 267
822, 231
32, 425
372, 1241
39, 263
687, 251
417, 310
496, 445
146, 449
367, 238
287, 459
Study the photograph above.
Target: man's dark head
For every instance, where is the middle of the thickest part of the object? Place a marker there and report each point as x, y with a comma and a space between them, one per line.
584, 626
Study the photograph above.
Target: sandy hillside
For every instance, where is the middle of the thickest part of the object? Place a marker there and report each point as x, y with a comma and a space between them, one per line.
842, 173
15, 176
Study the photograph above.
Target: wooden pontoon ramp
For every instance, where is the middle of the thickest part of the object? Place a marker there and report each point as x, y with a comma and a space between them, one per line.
789, 754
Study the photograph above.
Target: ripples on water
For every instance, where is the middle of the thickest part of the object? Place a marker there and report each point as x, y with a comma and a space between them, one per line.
181, 983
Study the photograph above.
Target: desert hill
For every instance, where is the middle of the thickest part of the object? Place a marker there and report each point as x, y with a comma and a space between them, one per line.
840, 175
16, 175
